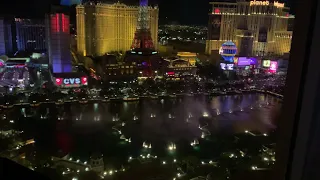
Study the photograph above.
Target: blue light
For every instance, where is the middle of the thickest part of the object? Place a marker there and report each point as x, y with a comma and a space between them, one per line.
143, 2
69, 2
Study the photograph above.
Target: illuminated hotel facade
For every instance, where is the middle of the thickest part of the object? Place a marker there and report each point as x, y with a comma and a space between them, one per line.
30, 34
102, 28
258, 28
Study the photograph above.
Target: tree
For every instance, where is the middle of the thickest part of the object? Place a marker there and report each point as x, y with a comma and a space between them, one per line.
190, 163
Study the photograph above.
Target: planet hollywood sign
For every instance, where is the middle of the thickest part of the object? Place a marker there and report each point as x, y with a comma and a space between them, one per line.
266, 3
71, 81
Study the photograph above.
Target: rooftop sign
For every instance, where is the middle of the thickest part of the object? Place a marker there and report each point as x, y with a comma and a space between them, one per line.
266, 3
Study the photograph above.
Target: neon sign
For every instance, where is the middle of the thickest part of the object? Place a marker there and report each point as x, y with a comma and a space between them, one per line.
84, 80
259, 3
58, 81
278, 5
71, 81
230, 67
266, 3
225, 66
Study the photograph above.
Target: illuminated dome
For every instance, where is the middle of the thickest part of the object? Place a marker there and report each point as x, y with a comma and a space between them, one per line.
228, 50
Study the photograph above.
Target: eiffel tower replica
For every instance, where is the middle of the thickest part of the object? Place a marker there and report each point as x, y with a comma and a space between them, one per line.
142, 36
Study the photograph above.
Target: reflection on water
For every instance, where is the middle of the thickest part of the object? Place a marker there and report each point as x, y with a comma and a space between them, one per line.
161, 124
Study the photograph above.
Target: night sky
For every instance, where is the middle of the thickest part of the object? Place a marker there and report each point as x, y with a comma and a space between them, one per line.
190, 12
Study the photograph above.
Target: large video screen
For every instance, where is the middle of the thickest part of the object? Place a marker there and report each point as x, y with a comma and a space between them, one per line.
273, 66
245, 61
266, 63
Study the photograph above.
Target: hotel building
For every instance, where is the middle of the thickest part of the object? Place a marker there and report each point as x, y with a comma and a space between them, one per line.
102, 28
258, 28
30, 34
6, 40
58, 42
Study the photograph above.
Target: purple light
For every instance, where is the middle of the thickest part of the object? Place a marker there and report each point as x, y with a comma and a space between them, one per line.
253, 61
273, 66
244, 61
143, 2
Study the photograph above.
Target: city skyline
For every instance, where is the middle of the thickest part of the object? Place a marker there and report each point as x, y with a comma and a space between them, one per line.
117, 89
188, 12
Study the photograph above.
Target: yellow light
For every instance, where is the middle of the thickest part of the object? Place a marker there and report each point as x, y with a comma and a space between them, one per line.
163, 162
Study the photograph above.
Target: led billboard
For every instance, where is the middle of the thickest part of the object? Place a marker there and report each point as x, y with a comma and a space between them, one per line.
245, 61
273, 66
266, 63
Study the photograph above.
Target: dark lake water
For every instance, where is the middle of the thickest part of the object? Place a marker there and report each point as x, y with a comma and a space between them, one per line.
85, 129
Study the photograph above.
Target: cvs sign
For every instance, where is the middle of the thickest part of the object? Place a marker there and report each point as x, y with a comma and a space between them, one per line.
71, 81
77, 81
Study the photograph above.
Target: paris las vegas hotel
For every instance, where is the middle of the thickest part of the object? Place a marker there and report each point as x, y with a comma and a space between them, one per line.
102, 27
258, 28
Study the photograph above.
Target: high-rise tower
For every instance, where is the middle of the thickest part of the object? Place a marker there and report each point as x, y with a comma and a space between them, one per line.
30, 34
58, 42
6, 44
142, 36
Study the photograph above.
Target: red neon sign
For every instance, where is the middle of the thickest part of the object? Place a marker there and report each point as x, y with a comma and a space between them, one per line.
84, 80
58, 81
57, 21
71, 81
65, 23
